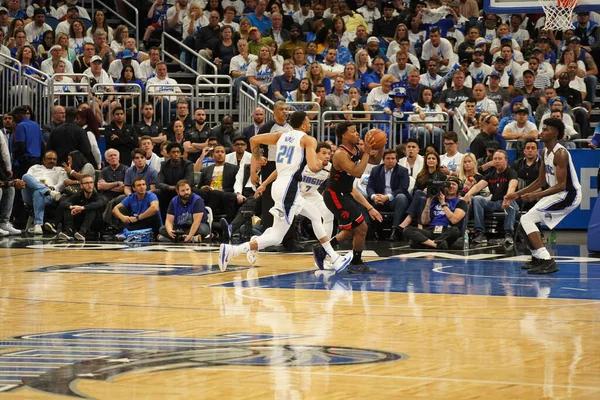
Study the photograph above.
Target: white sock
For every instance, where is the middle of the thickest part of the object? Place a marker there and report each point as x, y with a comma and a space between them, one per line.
241, 249
330, 251
541, 254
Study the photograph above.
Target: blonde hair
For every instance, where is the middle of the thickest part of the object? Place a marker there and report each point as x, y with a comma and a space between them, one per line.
310, 75
388, 77
461, 171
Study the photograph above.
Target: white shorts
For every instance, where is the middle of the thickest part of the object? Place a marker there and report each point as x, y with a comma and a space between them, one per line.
287, 199
552, 209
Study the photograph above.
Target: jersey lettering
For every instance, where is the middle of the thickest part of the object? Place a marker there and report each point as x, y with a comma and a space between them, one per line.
285, 154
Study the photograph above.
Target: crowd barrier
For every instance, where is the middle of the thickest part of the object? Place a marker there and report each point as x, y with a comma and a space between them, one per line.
214, 93
248, 100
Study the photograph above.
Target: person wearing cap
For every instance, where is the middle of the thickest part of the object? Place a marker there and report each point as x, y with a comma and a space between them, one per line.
588, 32
540, 81
464, 67
374, 50
258, 17
287, 48
591, 67
442, 215
544, 68
437, 48
547, 51
55, 55
521, 128
96, 75
485, 165
478, 70
397, 106
4, 21
36, 28
256, 41
126, 60
506, 80
385, 27
65, 26
527, 85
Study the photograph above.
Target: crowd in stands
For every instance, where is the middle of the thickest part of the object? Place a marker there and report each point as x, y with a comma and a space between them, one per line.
502, 75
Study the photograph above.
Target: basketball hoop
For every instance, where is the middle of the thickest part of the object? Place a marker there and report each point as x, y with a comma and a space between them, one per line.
559, 14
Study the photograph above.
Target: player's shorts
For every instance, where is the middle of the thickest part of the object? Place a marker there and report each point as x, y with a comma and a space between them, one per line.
344, 208
288, 202
552, 209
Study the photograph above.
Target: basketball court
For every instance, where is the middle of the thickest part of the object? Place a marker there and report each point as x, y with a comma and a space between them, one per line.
108, 321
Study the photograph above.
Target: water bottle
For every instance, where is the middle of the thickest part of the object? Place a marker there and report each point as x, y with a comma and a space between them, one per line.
553, 237
466, 241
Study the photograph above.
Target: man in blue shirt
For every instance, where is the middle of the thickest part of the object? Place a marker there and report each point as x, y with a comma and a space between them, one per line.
443, 215
140, 209
258, 18
28, 141
186, 217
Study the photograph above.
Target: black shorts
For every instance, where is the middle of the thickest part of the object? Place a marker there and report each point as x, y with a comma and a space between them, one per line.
344, 208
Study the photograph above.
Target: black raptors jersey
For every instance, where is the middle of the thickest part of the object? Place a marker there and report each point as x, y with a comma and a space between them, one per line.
341, 181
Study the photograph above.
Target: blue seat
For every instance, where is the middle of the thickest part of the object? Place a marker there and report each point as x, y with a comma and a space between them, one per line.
53, 22
87, 24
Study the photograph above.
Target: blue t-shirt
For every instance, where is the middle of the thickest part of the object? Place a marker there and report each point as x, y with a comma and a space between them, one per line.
184, 213
149, 175
137, 206
30, 133
159, 14
262, 24
438, 216
370, 78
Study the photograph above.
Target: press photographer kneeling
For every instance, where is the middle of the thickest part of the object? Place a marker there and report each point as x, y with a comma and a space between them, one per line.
442, 214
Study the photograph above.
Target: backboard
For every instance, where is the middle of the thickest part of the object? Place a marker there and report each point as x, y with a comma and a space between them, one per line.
531, 6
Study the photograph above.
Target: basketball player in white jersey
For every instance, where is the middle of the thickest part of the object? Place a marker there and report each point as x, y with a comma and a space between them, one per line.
294, 150
562, 196
311, 181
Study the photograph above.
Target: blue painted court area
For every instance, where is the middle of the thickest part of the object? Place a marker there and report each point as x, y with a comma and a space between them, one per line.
471, 277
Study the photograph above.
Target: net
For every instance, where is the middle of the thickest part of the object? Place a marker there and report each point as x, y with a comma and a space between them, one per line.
559, 14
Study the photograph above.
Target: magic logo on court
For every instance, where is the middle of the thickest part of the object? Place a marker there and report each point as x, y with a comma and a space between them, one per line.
53, 362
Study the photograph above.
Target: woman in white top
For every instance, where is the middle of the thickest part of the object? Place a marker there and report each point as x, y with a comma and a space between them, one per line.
194, 20
276, 57
503, 30
120, 34
394, 47
428, 133
99, 23
77, 38
261, 72
62, 84
300, 63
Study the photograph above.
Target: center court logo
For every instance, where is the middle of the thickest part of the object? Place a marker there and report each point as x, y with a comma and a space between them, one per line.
53, 362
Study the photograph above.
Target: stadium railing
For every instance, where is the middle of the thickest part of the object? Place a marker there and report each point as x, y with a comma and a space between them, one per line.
71, 94
248, 101
165, 41
132, 111
212, 91
187, 92
135, 25
10, 72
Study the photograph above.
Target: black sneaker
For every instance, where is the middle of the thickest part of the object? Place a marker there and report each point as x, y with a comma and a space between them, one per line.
225, 229
319, 255
362, 268
533, 263
49, 227
544, 267
509, 239
479, 238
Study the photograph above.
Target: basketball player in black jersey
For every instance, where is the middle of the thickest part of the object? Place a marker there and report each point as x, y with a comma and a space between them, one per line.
340, 197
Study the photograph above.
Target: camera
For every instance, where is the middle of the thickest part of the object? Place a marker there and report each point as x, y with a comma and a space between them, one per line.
436, 187
179, 235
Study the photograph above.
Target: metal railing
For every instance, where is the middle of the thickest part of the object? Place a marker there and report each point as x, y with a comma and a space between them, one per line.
267, 104
211, 92
248, 100
132, 109
34, 92
461, 128
178, 91
165, 37
70, 94
10, 72
123, 19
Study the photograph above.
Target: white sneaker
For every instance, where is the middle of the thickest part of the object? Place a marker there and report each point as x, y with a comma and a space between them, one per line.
55, 195
36, 230
225, 255
342, 262
8, 227
252, 255
78, 236
3, 232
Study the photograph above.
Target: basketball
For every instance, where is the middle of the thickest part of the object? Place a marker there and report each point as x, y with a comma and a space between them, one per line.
379, 137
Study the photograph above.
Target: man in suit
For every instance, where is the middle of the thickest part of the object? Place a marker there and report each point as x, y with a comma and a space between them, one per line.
276, 31
172, 171
216, 184
259, 120
244, 191
388, 189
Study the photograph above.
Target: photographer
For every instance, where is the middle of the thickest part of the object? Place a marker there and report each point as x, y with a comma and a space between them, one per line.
442, 214
186, 217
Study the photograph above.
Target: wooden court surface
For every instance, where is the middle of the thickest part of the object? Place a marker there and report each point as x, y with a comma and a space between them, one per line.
332, 343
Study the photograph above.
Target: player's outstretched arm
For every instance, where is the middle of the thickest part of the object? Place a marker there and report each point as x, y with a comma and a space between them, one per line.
535, 185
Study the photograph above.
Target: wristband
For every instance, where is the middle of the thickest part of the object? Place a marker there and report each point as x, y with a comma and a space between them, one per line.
444, 205
369, 210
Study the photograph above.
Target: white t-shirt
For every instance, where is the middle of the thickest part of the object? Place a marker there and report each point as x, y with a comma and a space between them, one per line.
163, 89
444, 49
339, 68
299, 18
116, 67
480, 73
63, 86
377, 99
263, 74
401, 74
482, 105
429, 81
369, 15
238, 63
199, 23
496, 43
182, 14
452, 163
48, 68
514, 127
62, 11
412, 171
147, 69
104, 78
35, 33
63, 27
231, 158
576, 84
